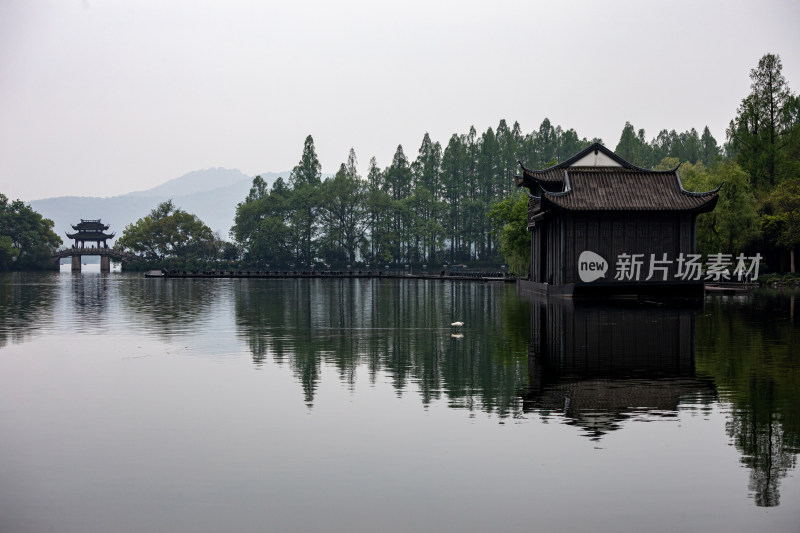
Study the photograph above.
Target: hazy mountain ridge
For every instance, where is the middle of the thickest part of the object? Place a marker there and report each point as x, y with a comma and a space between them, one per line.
211, 194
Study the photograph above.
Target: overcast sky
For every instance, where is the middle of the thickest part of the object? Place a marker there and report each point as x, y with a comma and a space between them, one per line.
99, 98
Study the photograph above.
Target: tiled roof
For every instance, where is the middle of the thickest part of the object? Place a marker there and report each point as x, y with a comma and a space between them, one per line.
626, 189
556, 172
622, 187
90, 225
90, 235
548, 175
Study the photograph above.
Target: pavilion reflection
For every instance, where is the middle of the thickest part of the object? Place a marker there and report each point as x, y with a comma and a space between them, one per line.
597, 364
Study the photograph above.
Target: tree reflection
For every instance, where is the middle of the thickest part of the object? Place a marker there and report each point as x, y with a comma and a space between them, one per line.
169, 307
747, 345
592, 366
26, 304
396, 328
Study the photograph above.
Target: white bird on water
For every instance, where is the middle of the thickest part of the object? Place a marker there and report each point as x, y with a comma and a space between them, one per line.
456, 324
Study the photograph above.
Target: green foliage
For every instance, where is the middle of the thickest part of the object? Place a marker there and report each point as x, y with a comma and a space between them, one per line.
27, 240
733, 224
764, 137
783, 223
687, 146
169, 233
510, 217
261, 224
343, 212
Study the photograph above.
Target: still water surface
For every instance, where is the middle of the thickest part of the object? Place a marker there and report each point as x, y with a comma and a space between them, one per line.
131, 404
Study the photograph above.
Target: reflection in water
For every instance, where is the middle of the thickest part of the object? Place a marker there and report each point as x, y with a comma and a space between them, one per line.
90, 299
596, 366
396, 327
26, 304
749, 347
171, 307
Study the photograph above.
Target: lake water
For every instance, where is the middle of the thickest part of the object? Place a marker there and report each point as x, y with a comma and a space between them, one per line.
130, 404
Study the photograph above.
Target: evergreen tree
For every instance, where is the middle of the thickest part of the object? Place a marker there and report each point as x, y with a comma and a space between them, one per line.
344, 214
765, 134
630, 145
428, 231
261, 225
709, 150
309, 170
398, 185
453, 181
378, 204
305, 180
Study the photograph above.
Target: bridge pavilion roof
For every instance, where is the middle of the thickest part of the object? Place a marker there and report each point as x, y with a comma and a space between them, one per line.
90, 230
90, 225
90, 235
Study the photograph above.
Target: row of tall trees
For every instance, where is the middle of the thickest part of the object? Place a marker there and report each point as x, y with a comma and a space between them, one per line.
764, 140
432, 209
758, 168
688, 146
457, 203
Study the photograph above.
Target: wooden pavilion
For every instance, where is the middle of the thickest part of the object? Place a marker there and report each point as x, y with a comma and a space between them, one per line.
602, 225
93, 232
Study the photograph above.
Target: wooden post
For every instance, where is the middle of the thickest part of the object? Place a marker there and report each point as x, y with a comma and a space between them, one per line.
76, 263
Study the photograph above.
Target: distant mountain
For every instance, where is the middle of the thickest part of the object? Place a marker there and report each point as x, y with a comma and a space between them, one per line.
195, 182
211, 194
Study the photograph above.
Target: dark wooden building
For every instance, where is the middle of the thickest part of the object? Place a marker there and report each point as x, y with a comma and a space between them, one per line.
600, 224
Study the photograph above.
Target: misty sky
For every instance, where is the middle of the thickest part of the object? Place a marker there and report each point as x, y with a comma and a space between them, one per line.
99, 98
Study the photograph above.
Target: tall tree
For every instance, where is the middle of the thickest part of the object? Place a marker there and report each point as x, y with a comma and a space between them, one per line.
630, 146
765, 131
378, 205
709, 150
344, 212
261, 224
427, 169
309, 170
305, 180
398, 180
454, 191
